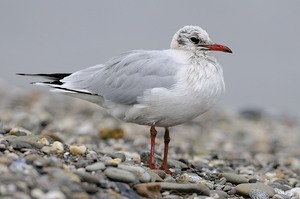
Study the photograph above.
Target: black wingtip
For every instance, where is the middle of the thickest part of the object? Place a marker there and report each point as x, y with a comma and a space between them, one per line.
27, 74
52, 76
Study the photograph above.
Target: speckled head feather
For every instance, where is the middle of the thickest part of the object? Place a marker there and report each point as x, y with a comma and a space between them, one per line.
190, 38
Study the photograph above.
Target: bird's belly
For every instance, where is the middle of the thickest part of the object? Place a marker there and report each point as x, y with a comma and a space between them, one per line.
170, 110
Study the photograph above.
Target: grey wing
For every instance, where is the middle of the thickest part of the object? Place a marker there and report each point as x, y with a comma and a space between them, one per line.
125, 78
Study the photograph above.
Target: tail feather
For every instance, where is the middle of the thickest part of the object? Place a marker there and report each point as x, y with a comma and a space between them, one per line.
55, 82
57, 86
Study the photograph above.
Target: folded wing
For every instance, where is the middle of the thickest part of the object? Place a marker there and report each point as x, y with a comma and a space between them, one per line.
122, 79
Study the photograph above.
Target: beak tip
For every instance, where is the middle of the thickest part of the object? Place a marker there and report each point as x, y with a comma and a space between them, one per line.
219, 47
225, 48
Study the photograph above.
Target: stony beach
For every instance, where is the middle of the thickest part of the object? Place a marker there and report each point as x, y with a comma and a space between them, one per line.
57, 147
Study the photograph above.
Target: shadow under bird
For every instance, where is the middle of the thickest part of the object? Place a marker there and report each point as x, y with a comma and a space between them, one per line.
160, 88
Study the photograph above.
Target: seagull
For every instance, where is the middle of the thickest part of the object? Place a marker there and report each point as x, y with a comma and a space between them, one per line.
158, 88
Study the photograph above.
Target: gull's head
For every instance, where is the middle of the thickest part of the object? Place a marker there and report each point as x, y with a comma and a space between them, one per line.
194, 38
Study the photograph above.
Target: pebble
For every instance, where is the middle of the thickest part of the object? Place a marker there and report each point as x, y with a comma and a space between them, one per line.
113, 162
121, 156
92, 155
154, 177
87, 177
246, 188
31, 140
55, 194
218, 194
95, 167
234, 178
119, 175
44, 141
295, 192
31, 158
176, 164
132, 157
48, 149
78, 150
12, 156
148, 190
160, 173
57, 147
18, 145
126, 191
280, 186
281, 196
37, 193
89, 189
169, 179
194, 178
19, 131
138, 171
185, 188
18, 165
258, 194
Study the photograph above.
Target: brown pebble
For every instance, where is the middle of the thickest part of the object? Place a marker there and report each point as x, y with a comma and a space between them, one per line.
148, 190
107, 133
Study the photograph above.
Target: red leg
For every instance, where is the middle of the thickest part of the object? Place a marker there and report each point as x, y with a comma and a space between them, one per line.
166, 149
153, 133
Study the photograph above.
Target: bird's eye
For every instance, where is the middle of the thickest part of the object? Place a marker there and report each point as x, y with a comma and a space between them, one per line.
195, 40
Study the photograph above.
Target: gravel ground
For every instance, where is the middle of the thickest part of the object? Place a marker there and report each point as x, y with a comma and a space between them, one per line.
56, 147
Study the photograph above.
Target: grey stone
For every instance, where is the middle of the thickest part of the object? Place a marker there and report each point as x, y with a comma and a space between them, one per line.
155, 177
117, 155
246, 188
19, 131
119, 175
54, 194
281, 196
258, 194
138, 171
218, 194
194, 178
169, 179
294, 192
176, 164
87, 177
95, 167
234, 178
280, 186
127, 191
185, 188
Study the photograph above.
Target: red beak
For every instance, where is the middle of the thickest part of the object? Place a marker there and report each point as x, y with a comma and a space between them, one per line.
218, 47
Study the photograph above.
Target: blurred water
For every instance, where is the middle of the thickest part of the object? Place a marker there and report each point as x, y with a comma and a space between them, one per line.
64, 36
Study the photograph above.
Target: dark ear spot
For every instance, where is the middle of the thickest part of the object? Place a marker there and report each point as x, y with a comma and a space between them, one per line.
180, 40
